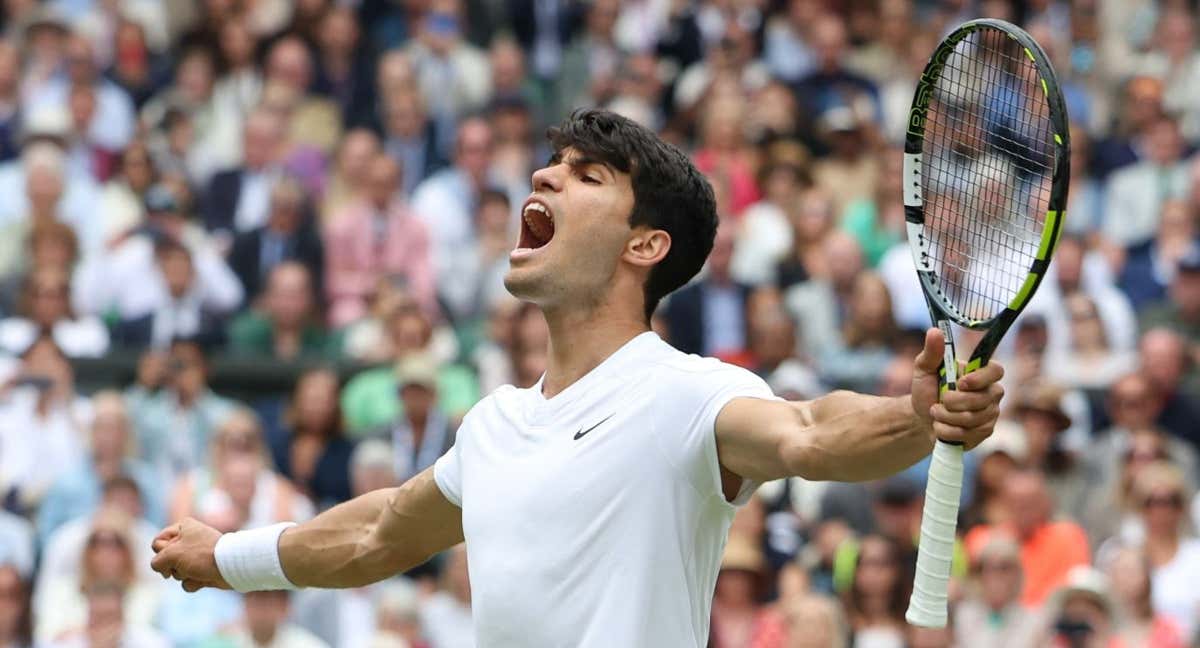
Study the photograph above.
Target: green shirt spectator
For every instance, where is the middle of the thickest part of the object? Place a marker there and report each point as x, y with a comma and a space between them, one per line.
252, 333
372, 398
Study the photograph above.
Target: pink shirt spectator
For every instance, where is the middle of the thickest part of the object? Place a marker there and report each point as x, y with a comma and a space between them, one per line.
363, 246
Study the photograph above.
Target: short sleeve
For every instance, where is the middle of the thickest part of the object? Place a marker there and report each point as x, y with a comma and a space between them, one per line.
447, 473
694, 395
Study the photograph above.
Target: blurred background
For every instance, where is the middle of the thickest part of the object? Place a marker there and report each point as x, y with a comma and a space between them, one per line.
250, 266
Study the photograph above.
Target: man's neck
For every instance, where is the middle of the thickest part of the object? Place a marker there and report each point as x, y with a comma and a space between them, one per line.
581, 340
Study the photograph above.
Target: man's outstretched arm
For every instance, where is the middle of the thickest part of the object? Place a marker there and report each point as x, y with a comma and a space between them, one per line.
361, 541
845, 436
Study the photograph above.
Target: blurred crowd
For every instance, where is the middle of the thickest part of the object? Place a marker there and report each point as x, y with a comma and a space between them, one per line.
331, 187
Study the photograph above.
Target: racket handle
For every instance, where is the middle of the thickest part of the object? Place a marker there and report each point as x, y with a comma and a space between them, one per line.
935, 553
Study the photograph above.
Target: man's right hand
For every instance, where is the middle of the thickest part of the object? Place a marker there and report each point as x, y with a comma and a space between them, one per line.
185, 551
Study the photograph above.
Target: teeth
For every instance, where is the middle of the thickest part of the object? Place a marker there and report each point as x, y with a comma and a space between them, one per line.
536, 207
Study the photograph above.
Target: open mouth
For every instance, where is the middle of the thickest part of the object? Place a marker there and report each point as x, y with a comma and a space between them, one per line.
537, 226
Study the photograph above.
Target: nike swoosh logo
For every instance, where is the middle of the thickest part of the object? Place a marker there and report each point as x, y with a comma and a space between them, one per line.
579, 435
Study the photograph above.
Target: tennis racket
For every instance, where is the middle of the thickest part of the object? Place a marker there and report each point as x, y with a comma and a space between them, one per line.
985, 186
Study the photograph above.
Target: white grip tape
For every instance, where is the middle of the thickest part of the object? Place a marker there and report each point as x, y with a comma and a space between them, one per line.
249, 560
927, 608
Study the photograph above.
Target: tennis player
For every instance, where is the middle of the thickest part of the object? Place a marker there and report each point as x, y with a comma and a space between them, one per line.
595, 504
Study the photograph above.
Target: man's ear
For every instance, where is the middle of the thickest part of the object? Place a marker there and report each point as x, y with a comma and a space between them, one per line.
647, 247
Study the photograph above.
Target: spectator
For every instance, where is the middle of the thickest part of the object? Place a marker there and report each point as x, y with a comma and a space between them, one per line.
238, 199
288, 235
371, 399
113, 126
736, 618
311, 450
399, 616
376, 237
120, 202
478, 278
240, 85
858, 358
991, 616
1049, 548
237, 489
1113, 512
422, 433
1165, 363
63, 550
16, 625
1129, 575
183, 312
343, 66
286, 325
1080, 270
42, 425
1081, 611
314, 121
809, 257
591, 60
44, 167
119, 282
10, 77
45, 309
211, 140
347, 176
724, 154
1043, 421
851, 171
709, 316
174, 424
446, 201
446, 615
108, 622
830, 84
110, 456
1150, 269
878, 595
876, 220
765, 235
439, 53
1174, 556
730, 63
1136, 194
997, 457
108, 557
410, 137
265, 625
1182, 311
136, 68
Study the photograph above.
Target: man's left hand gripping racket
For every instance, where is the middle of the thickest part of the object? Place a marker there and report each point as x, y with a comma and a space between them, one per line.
985, 187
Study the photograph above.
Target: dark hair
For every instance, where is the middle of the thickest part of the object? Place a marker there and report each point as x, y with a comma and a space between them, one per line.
121, 482
488, 196
669, 193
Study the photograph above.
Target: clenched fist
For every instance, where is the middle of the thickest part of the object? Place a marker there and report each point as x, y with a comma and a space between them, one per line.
185, 552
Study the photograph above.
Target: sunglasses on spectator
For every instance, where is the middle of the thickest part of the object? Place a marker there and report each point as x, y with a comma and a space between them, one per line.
1006, 566
106, 538
1170, 500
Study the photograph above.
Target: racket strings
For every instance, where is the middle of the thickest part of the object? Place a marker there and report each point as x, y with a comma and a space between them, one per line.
985, 174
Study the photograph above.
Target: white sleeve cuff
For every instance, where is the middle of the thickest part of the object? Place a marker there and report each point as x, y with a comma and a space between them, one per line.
249, 560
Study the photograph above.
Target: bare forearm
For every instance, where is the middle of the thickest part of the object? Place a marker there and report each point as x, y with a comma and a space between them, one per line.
371, 537
856, 437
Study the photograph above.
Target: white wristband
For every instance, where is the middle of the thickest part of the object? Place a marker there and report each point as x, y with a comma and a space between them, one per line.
249, 560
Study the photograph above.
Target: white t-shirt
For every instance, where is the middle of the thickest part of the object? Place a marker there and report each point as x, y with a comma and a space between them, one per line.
596, 518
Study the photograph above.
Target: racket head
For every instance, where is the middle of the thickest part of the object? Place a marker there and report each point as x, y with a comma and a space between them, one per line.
986, 168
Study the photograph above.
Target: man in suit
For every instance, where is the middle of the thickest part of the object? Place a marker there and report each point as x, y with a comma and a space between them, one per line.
410, 137
288, 235
708, 316
237, 199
